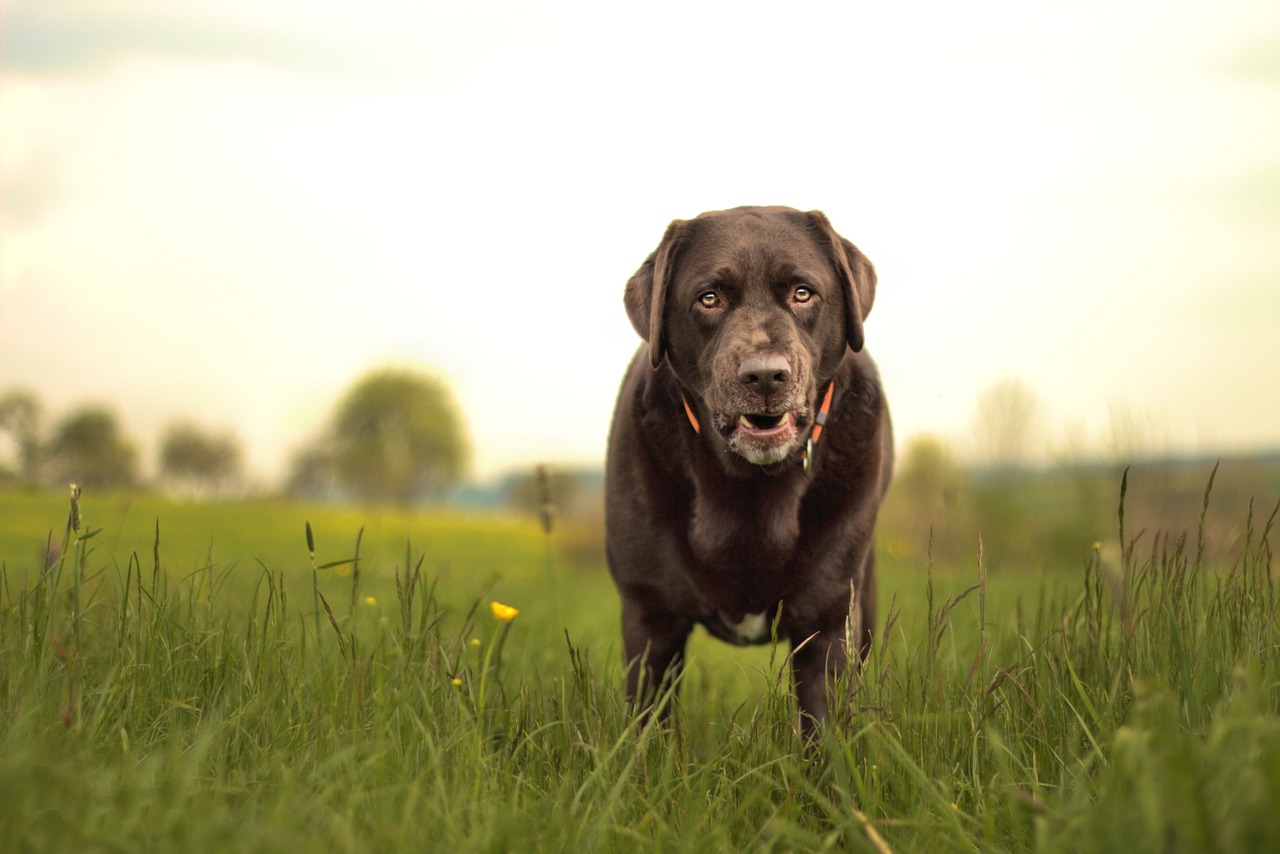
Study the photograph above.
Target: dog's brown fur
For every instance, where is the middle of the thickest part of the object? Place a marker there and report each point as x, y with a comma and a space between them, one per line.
747, 314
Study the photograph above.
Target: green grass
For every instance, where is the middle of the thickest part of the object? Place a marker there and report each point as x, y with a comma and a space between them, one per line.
185, 693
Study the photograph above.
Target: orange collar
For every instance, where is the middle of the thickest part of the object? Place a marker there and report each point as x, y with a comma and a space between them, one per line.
818, 423
693, 419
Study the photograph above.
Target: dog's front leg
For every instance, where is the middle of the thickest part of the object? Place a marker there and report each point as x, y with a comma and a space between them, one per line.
816, 663
653, 646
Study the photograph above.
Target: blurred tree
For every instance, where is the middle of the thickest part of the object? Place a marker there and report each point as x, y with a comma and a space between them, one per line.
924, 511
193, 459
310, 472
1006, 426
928, 474
88, 448
1132, 435
20, 418
397, 436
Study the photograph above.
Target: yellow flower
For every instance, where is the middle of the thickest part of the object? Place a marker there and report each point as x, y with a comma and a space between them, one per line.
475, 642
1096, 545
504, 613
457, 683
371, 602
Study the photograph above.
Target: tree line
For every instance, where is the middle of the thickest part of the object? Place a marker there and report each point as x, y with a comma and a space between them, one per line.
89, 446
394, 436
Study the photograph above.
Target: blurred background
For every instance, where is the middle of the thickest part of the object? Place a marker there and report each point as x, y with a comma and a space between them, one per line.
249, 248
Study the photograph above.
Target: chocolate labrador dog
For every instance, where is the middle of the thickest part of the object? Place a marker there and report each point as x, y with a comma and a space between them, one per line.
750, 449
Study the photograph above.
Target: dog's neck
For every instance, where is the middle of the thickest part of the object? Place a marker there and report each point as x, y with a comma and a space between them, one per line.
745, 524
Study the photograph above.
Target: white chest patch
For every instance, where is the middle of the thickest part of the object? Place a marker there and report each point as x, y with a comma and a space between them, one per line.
752, 627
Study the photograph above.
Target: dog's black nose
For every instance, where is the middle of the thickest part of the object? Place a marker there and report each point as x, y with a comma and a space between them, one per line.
764, 374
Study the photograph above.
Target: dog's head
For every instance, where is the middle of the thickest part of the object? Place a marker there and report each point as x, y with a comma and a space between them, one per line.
754, 309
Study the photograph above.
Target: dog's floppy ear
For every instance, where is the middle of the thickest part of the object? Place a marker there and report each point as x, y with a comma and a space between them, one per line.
646, 292
856, 274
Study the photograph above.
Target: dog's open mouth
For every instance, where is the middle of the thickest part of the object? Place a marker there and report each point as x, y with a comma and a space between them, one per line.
762, 438
763, 424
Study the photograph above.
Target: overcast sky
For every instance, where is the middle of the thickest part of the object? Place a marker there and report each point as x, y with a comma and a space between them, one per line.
228, 211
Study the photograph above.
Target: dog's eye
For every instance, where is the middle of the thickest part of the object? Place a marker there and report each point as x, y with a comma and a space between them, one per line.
801, 294
710, 299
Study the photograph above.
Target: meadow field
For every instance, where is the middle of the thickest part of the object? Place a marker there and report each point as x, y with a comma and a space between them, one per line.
201, 677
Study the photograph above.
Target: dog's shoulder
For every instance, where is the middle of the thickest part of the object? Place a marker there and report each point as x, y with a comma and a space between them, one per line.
861, 392
649, 421
859, 437
650, 397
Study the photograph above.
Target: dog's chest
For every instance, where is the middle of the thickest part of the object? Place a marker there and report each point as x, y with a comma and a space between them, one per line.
745, 538
745, 560
747, 526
